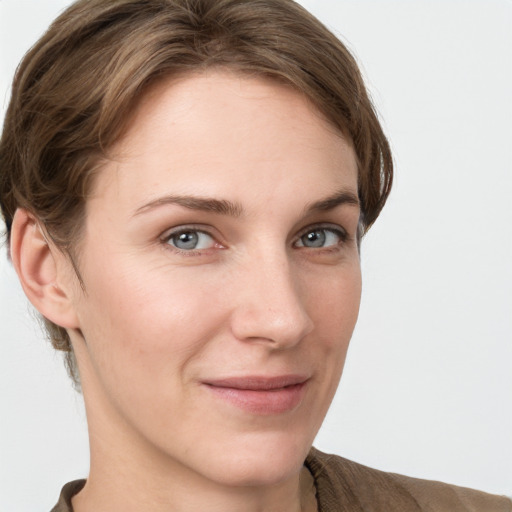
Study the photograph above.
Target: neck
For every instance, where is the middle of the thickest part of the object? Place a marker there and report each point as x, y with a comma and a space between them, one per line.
130, 484
131, 496
128, 473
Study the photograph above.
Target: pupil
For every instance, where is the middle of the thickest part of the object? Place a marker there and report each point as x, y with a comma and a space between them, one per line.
187, 240
314, 239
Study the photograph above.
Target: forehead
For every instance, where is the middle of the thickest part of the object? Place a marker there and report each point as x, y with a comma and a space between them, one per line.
198, 132
198, 95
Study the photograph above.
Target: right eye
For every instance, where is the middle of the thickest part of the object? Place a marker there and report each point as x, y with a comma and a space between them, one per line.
321, 237
190, 240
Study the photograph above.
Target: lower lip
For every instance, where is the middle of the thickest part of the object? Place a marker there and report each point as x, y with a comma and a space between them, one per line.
273, 401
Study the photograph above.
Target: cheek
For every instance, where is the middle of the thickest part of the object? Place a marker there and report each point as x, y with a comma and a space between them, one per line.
335, 308
147, 322
335, 305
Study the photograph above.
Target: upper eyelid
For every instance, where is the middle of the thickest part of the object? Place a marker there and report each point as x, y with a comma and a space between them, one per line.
322, 225
200, 228
340, 231
212, 232
169, 234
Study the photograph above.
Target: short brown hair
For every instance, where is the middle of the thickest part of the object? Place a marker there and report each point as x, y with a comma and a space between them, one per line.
75, 89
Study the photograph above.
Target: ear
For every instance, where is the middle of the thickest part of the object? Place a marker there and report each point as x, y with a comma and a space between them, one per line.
43, 271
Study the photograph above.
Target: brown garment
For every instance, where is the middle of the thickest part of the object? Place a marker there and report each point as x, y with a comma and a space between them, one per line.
345, 486
68, 491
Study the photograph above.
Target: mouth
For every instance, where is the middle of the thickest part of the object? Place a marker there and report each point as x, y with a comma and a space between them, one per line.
260, 395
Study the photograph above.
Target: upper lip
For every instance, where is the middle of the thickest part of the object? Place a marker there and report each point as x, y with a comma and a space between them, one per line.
257, 383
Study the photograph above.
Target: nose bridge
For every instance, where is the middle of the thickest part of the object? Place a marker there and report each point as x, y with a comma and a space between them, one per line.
272, 303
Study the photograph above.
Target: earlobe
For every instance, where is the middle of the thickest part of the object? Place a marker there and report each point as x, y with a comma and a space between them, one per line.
41, 270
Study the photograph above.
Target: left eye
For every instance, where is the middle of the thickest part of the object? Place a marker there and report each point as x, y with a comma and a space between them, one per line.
319, 238
190, 240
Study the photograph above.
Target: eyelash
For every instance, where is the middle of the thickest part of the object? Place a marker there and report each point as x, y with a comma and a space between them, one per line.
337, 230
169, 235
333, 229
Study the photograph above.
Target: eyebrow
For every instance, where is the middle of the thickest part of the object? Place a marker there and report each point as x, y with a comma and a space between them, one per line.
205, 204
234, 209
342, 197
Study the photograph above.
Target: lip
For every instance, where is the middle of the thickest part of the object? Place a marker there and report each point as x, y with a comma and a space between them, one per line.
260, 395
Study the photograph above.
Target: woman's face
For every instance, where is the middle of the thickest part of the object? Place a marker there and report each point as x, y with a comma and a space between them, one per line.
222, 280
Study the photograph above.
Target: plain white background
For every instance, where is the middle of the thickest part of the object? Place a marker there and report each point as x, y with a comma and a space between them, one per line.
427, 388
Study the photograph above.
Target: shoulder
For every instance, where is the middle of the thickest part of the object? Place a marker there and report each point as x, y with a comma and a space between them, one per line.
68, 491
360, 488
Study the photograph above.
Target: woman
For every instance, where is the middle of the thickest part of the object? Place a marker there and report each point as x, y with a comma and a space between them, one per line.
185, 186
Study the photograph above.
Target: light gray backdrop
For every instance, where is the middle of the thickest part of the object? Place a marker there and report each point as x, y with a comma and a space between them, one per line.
427, 389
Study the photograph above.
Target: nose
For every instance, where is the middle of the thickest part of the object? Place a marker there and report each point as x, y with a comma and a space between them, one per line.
271, 306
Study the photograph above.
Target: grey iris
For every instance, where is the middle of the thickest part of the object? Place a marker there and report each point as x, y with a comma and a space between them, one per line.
186, 240
314, 238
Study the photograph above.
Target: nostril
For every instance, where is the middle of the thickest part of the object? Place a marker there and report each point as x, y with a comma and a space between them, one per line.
282, 327
269, 304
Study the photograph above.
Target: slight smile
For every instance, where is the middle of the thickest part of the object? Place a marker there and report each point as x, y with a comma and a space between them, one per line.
261, 395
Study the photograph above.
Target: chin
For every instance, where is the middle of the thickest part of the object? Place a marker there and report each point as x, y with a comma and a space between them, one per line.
259, 460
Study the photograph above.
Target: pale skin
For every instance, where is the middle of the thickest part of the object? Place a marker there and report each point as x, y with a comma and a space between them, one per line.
220, 242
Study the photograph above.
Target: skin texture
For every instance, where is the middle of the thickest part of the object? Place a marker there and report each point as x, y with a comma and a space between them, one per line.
257, 297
